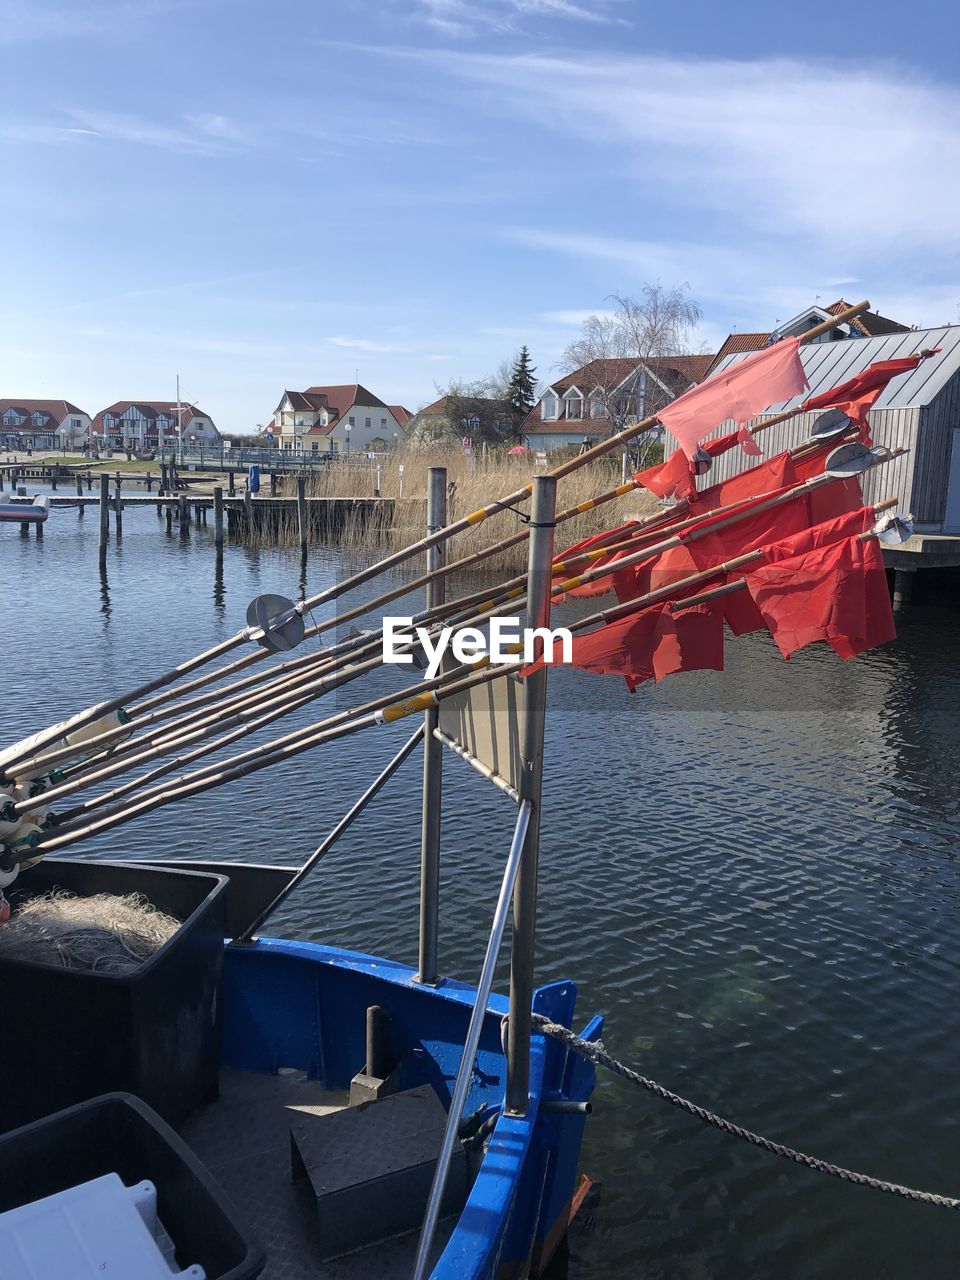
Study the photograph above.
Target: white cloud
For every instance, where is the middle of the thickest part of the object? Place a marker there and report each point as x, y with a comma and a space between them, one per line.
575, 318
469, 17
747, 138
366, 344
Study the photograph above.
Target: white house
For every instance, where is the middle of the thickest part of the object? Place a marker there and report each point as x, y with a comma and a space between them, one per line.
606, 395
140, 424
336, 419
42, 424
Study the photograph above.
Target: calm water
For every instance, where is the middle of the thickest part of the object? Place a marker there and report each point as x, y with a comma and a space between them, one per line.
753, 874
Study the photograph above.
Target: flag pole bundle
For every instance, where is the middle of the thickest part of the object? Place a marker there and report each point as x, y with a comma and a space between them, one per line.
783, 521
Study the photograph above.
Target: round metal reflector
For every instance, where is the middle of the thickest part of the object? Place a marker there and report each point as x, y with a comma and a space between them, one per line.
894, 528
829, 424
848, 460
702, 462
281, 626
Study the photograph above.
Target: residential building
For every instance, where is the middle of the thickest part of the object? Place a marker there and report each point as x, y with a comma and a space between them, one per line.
868, 325
605, 396
42, 424
335, 419
456, 418
401, 413
141, 424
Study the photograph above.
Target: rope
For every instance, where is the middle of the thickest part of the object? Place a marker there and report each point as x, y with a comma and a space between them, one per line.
597, 1054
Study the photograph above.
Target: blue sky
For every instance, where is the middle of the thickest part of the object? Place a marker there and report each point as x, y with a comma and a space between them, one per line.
261, 195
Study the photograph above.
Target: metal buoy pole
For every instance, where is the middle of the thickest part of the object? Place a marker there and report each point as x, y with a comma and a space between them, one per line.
522, 958
427, 969
118, 510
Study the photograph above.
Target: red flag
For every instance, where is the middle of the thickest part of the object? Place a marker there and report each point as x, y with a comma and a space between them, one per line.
675, 478
765, 478
857, 396
748, 444
739, 393
835, 592
650, 644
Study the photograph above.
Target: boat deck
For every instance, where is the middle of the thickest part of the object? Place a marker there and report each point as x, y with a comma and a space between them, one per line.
244, 1140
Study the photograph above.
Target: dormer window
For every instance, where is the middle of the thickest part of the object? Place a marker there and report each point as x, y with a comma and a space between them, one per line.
37, 418
549, 407
12, 419
574, 403
595, 405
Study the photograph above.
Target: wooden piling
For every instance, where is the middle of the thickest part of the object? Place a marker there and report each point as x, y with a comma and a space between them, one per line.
302, 513
231, 483
118, 508
80, 488
273, 484
184, 517
89, 481
218, 517
169, 518
902, 587
53, 478
104, 516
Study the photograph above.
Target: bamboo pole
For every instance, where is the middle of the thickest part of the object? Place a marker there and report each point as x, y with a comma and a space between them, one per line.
460, 609
599, 450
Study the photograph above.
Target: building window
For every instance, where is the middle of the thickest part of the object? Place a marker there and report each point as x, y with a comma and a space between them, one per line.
574, 408
383, 422
548, 409
352, 421
366, 423
595, 405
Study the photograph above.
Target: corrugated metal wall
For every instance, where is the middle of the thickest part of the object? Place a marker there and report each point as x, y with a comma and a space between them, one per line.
890, 427
923, 408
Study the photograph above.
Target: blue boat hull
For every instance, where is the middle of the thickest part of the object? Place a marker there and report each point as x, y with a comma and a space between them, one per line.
302, 1005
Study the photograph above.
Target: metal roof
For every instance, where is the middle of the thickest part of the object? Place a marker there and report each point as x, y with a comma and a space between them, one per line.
829, 363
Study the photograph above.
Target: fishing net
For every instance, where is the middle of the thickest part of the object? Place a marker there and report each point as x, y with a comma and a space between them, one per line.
105, 933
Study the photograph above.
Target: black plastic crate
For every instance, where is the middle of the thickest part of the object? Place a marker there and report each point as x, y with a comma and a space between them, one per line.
70, 1035
120, 1134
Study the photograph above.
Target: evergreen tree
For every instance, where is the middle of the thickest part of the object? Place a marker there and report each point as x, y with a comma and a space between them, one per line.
521, 392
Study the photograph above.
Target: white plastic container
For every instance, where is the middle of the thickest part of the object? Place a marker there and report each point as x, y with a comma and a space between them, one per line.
99, 1230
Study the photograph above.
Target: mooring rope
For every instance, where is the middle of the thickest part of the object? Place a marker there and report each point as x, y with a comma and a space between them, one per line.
595, 1051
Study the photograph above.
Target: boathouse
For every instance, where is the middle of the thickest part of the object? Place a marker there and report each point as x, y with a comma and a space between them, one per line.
919, 410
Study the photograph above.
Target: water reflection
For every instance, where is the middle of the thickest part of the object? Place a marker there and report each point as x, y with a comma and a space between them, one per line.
105, 609
219, 591
752, 874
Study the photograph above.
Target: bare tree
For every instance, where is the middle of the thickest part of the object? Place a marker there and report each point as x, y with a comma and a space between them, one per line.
624, 353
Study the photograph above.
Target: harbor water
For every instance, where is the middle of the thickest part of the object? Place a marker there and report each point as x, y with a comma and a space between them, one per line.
753, 875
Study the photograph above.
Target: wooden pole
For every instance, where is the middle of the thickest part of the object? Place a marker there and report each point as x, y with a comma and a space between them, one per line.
104, 516
218, 518
302, 514
184, 515
118, 509
79, 487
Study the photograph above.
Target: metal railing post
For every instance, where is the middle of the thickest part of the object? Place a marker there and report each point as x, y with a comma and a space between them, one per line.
471, 1040
543, 510
427, 968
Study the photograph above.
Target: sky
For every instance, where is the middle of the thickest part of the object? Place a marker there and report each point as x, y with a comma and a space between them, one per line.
268, 194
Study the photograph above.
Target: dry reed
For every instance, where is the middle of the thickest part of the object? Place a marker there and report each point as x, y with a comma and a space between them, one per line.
473, 482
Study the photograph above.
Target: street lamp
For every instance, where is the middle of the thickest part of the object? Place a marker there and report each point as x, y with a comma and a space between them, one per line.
347, 433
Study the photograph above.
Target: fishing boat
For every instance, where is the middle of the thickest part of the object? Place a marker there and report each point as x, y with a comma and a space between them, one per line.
30, 511
335, 1113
